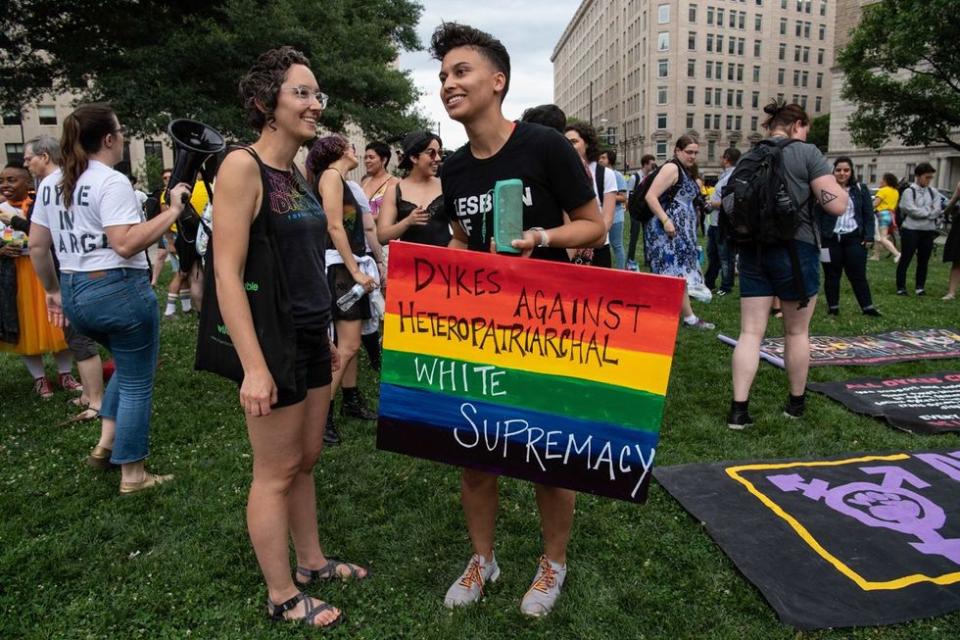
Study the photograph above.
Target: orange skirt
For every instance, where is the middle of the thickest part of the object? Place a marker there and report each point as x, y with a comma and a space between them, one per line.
37, 335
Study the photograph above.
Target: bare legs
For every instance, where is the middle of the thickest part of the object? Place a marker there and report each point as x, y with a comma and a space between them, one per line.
954, 281
91, 377
479, 496
348, 343
754, 313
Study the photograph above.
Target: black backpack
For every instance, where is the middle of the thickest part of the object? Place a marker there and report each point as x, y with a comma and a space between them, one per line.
637, 200
898, 215
757, 206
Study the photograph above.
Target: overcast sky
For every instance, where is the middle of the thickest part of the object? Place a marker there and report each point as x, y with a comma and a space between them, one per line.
528, 28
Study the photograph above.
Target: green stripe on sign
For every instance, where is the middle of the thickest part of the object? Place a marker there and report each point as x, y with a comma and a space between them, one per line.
557, 395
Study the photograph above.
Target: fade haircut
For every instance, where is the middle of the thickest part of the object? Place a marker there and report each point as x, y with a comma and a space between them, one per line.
451, 35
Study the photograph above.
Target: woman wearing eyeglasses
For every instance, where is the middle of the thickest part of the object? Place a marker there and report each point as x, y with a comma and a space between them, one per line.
261, 186
413, 211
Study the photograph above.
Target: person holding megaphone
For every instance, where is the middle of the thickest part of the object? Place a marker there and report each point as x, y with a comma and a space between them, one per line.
89, 213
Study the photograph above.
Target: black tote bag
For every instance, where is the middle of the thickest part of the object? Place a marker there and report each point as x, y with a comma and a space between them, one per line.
266, 290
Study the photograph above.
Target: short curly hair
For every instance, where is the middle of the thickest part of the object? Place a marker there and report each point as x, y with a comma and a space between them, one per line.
260, 86
589, 136
451, 35
324, 152
415, 144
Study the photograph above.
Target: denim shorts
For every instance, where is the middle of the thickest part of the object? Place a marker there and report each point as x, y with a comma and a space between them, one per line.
765, 271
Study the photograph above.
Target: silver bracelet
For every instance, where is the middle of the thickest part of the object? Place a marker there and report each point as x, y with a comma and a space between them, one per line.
544, 238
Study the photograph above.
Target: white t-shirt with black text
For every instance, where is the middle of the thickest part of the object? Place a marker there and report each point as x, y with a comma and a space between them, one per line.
102, 198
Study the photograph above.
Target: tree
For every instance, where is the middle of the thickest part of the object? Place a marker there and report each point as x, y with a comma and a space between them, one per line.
156, 60
903, 73
820, 132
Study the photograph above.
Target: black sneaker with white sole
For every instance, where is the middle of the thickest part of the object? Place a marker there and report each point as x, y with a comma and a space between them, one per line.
795, 407
738, 419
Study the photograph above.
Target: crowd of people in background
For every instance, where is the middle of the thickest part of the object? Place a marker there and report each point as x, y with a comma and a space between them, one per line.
85, 280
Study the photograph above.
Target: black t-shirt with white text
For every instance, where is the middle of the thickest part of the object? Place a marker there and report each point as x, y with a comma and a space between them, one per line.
554, 180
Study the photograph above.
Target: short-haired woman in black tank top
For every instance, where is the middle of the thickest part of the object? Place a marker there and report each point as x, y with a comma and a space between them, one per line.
282, 101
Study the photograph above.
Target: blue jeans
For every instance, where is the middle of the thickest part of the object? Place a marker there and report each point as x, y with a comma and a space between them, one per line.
616, 245
118, 309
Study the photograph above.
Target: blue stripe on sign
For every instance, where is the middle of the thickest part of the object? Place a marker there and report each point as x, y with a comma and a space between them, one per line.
470, 421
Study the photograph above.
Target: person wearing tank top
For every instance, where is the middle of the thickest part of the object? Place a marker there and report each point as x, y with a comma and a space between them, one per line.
88, 212
376, 159
283, 102
419, 216
328, 162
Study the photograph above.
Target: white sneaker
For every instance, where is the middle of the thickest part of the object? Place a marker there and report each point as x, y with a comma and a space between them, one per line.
469, 587
543, 593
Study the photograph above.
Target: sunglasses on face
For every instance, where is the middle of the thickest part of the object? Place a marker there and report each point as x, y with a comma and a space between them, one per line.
432, 153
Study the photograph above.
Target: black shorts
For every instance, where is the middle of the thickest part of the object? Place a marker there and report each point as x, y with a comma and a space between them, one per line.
340, 282
186, 253
312, 366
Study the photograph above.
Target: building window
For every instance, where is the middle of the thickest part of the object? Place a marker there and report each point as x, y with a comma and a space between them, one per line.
661, 95
692, 40
823, 32
47, 114
729, 97
783, 51
796, 53
820, 56
733, 19
719, 17
742, 20
806, 29
689, 121
755, 100
806, 54
754, 121
692, 15
783, 26
719, 71
807, 6
737, 123
731, 69
741, 43
780, 73
691, 68
818, 104
709, 69
872, 173
719, 43
783, 4
663, 14
661, 121
716, 96
663, 41
710, 42
756, 48
712, 148
756, 74
14, 153
799, 29
804, 78
758, 22
739, 73
733, 46
152, 148
662, 68
690, 95
710, 16
796, 77
716, 121
823, 7
740, 98
661, 150
708, 97
780, 96
706, 121
12, 118
819, 81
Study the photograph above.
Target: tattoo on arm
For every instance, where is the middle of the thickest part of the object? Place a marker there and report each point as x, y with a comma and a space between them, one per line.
826, 197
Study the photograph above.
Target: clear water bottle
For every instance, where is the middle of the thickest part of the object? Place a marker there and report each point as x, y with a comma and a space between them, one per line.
350, 298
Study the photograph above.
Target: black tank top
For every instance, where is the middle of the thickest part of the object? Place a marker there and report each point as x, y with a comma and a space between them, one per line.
437, 229
352, 219
300, 227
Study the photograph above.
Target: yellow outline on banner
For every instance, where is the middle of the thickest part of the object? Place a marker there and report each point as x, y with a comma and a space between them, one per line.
863, 583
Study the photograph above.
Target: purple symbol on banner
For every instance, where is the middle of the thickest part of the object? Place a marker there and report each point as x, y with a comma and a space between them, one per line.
887, 505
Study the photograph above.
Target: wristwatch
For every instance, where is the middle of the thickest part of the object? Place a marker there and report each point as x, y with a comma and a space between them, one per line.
544, 238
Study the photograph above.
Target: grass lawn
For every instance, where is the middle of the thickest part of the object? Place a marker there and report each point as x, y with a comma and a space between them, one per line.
78, 561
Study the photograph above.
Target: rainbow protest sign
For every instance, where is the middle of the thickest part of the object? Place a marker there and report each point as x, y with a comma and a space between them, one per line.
545, 371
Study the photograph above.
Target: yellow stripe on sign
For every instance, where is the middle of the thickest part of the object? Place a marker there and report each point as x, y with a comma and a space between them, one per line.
639, 370
839, 565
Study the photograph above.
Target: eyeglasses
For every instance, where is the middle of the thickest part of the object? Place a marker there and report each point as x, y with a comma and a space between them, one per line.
120, 131
304, 94
433, 153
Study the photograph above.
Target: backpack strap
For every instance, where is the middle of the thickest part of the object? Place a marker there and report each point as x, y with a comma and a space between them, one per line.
598, 178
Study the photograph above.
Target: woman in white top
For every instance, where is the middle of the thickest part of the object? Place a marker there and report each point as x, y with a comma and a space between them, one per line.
91, 217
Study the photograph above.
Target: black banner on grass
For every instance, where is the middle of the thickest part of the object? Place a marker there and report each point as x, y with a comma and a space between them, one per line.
927, 404
879, 348
863, 539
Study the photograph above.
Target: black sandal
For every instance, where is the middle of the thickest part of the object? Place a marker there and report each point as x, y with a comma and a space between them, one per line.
329, 571
276, 611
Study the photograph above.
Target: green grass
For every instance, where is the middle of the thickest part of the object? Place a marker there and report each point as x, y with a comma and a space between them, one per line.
78, 561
